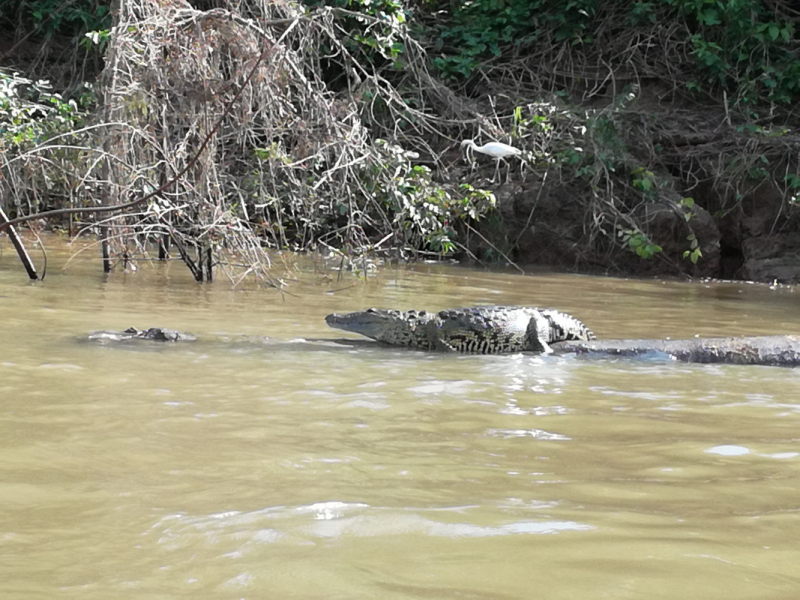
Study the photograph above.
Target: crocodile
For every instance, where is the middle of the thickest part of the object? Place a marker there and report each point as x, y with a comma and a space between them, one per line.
773, 350
155, 334
462, 330
476, 330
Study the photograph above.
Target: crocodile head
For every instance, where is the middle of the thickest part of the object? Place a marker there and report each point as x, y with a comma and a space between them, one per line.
389, 326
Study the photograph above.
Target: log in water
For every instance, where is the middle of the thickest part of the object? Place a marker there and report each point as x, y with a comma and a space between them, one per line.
777, 350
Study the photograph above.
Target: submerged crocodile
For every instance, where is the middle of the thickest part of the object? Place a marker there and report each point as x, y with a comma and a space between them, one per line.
155, 334
478, 330
773, 350
498, 329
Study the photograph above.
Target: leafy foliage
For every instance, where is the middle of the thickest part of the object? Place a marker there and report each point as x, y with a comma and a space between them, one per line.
56, 17
477, 30
31, 113
418, 212
639, 243
742, 46
33, 116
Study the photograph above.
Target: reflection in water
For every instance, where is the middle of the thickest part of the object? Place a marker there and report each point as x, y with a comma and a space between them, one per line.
538, 434
275, 458
728, 450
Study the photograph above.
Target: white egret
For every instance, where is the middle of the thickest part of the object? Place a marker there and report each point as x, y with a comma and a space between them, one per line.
497, 150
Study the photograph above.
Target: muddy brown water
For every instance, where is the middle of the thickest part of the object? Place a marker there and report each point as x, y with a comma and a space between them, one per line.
264, 462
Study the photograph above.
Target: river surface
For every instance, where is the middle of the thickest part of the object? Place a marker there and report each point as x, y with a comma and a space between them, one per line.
263, 461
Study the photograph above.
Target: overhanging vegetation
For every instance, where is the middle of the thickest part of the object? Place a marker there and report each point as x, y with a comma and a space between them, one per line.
232, 129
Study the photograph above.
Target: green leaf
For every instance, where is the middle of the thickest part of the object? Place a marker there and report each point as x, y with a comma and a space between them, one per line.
710, 17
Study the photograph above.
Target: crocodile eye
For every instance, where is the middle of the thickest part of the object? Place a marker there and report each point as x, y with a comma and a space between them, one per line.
372, 310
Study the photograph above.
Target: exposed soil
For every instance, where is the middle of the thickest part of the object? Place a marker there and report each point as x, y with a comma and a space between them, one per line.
746, 226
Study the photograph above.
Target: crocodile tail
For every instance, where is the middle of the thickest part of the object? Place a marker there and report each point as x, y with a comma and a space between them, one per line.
564, 327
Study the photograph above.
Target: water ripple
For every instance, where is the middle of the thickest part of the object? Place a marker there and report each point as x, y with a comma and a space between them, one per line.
327, 520
539, 434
